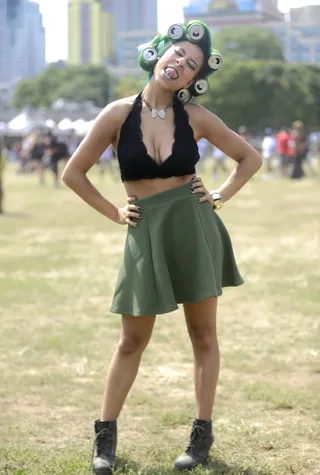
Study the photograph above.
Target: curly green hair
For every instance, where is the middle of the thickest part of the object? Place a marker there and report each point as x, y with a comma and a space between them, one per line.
196, 32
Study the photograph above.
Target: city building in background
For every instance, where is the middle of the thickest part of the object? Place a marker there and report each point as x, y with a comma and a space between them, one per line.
219, 13
305, 15
4, 42
35, 41
90, 32
298, 33
22, 41
136, 22
109, 32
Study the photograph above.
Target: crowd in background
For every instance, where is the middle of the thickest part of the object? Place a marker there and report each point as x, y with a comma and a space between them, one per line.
293, 148
38, 152
287, 153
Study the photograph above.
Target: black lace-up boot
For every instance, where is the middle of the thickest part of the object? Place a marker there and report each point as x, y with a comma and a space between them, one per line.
201, 440
105, 446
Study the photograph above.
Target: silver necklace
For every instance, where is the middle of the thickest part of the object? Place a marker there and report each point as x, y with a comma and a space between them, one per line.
154, 113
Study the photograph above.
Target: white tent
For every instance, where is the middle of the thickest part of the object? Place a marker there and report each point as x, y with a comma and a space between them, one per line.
80, 126
50, 123
21, 123
65, 124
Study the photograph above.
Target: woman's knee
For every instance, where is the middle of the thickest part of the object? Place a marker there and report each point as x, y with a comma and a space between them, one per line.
132, 343
135, 334
203, 336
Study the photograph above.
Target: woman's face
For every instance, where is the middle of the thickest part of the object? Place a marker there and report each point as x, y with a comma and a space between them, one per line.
179, 65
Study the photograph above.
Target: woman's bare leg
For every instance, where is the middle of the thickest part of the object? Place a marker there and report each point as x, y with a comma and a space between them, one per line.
135, 336
201, 323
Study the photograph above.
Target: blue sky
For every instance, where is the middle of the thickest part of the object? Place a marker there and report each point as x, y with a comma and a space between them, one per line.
169, 11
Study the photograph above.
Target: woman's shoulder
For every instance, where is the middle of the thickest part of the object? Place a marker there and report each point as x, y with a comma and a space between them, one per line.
193, 108
127, 101
115, 113
200, 117
196, 111
120, 106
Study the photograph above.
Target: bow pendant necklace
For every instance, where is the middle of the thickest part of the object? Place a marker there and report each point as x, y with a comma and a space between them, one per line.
154, 112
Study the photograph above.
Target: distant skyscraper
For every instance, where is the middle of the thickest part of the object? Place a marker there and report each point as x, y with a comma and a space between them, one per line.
29, 46
4, 43
306, 15
109, 32
300, 37
136, 22
22, 40
90, 31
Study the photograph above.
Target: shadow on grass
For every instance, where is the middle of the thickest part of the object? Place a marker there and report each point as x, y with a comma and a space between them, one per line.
125, 466
220, 467
72, 462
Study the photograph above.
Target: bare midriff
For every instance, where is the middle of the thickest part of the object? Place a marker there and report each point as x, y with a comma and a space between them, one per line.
144, 188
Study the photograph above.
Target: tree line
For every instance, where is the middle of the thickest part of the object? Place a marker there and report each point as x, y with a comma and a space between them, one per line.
255, 86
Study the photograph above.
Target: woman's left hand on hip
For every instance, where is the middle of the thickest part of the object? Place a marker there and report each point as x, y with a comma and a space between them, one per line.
198, 187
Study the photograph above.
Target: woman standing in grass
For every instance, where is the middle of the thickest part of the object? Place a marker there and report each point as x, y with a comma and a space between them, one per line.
177, 248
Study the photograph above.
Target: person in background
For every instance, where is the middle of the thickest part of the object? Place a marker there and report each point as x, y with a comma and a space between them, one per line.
284, 150
106, 163
312, 152
10, 151
2, 165
243, 132
203, 146
27, 144
50, 155
72, 143
291, 152
301, 149
63, 151
268, 150
54, 151
219, 162
36, 153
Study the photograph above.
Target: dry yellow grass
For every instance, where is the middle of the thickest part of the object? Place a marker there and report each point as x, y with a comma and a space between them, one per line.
58, 265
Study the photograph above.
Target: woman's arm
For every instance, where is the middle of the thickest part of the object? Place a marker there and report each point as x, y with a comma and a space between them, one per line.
215, 130
102, 134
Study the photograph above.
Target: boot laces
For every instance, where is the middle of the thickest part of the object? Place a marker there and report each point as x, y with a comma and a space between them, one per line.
101, 442
197, 434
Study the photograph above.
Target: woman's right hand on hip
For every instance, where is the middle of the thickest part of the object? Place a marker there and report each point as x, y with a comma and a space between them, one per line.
128, 212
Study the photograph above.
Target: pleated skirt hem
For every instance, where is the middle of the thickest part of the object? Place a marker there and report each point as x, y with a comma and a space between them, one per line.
169, 309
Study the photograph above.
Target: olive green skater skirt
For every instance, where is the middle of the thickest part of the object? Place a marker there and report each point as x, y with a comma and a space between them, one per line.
180, 253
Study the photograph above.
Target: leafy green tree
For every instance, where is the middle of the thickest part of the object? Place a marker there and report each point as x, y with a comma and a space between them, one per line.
129, 86
248, 42
25, 94
263, 94
75, 83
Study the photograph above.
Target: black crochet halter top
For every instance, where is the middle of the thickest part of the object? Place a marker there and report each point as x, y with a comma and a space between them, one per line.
135, 162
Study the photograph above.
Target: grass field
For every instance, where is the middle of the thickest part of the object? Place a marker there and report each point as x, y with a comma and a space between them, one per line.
58, 265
